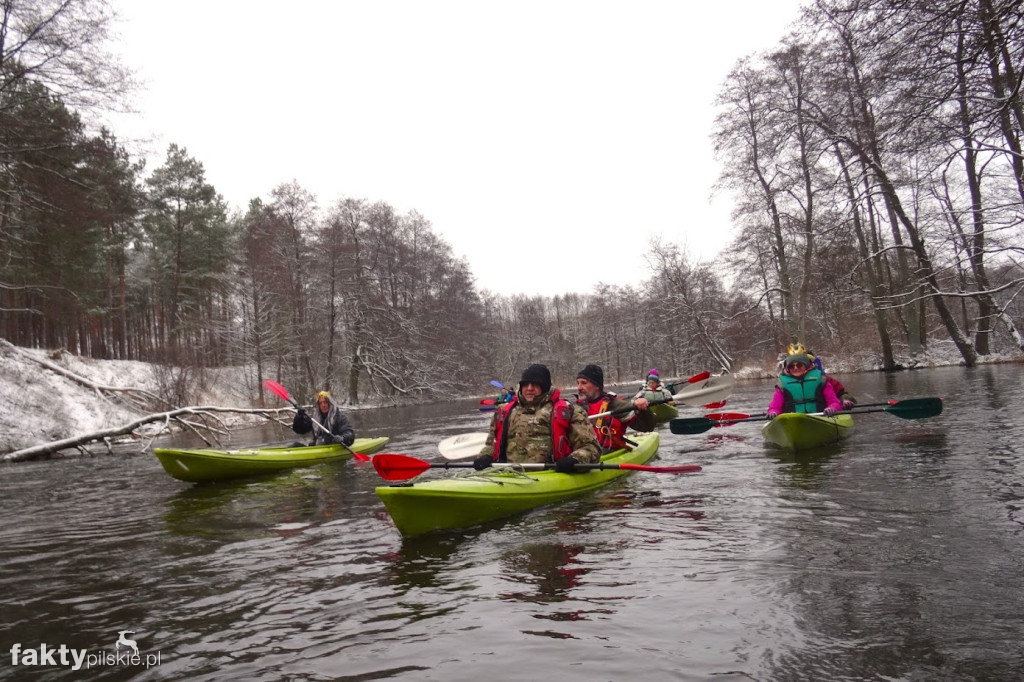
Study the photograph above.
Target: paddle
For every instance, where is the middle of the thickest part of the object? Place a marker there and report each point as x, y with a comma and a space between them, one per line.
282, 392
394, 467
462, 445
707, 391
737, 416
911, 408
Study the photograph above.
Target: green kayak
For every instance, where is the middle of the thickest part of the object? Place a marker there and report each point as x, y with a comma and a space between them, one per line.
197, 466
664, 412
794, 431
462, 501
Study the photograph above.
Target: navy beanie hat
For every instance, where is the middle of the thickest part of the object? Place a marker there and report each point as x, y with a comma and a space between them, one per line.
593, 374
537, 374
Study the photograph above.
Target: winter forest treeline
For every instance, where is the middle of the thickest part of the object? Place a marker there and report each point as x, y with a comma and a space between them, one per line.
874, 158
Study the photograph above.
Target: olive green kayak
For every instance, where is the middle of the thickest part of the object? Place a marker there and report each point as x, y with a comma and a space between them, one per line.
794, 431
463, 501
198, 466
664, 412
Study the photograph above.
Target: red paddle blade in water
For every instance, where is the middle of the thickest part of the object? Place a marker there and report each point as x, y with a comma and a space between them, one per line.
726, 416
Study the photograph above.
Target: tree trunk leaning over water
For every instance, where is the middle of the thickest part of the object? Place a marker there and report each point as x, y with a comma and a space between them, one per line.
105, 435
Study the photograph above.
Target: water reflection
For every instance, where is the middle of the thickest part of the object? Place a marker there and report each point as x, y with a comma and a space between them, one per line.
895, 554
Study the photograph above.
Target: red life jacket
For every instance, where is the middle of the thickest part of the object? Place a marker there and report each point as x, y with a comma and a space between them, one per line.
609, 430
561, 414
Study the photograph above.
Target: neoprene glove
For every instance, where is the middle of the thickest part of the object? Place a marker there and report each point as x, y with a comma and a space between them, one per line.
483, 462
348, 438
771, 414
565, 465
302, 423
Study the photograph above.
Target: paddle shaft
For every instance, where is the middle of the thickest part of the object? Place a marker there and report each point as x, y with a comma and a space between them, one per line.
395, 467
911, 408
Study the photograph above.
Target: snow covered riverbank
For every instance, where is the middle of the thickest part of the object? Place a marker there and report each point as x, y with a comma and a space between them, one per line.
41, 405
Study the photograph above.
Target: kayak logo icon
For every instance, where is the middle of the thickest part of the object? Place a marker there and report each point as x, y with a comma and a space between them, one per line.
124, 641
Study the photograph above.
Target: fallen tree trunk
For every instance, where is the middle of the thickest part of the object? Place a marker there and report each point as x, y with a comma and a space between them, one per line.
176, 415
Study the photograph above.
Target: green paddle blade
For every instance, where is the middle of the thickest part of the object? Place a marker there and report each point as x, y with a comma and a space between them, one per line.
916, 408
690, 426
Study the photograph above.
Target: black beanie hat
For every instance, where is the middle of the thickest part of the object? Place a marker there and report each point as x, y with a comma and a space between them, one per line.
537, 374
593, 374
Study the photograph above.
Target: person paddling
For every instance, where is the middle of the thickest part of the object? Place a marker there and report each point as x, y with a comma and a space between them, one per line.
802, 388
653, 388
336, 426
538, 425
610, 429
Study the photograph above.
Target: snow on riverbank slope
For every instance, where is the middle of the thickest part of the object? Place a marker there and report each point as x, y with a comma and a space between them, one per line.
41, 405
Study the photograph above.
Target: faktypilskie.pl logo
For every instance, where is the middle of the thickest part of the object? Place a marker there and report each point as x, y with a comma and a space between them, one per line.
126, 652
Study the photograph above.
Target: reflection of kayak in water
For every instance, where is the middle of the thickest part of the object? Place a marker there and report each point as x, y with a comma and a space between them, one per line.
217, 465
794, 431
495, 493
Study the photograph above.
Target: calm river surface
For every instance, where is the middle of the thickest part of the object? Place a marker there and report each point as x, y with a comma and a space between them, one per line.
896, 555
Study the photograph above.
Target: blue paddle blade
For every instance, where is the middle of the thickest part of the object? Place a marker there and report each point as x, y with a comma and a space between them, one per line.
497, 384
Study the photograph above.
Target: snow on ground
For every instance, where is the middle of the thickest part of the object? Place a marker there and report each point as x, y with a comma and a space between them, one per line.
40, 405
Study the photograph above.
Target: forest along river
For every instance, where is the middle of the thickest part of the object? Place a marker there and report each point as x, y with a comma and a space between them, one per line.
897, 554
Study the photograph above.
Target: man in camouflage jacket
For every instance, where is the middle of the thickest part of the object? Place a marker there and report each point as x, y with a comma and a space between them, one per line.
526, 430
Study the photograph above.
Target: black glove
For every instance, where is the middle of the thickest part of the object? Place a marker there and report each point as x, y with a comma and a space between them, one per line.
348, 439
565, 465
483, 462
301, 423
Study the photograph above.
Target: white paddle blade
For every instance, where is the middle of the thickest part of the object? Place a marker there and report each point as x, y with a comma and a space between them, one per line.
710, 390
462, 446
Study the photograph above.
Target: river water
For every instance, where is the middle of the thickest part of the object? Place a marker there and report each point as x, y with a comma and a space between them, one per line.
895, 555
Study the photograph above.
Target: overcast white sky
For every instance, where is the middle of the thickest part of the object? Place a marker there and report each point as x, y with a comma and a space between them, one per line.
548, 142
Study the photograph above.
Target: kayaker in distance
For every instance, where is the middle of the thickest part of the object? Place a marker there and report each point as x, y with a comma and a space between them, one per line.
595, 400
538, 425
653, 390
802, 388
328, 416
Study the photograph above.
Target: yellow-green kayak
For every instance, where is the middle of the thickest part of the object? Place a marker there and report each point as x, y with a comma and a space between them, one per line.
794, 431
202, 465
462, 501
664, 412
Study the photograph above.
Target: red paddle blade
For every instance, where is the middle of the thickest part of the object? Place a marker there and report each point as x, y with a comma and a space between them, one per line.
678, 469
360, 457
726, 416
394, 467
698, 377
277, 389
714, 406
